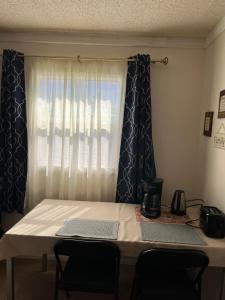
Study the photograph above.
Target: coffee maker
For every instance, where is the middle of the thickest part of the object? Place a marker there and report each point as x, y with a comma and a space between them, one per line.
151, 198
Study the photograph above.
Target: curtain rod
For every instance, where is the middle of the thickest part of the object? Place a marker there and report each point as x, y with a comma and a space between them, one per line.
163, 61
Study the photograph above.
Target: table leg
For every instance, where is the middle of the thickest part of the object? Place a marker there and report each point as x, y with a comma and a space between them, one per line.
44, 262
222, 284
10, 278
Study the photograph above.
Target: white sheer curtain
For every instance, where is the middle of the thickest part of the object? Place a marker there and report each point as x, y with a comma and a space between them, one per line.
75, 113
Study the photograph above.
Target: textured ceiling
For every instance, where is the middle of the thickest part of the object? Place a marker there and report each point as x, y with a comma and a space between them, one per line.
187, 18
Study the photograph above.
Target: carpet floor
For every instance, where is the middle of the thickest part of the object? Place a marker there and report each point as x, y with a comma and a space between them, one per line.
32, 284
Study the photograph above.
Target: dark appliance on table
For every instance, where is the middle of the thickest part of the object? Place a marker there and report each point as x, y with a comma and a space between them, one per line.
178, 205
212, 221
151, 204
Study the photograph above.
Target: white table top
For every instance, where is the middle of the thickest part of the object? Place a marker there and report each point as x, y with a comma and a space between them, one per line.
35, 233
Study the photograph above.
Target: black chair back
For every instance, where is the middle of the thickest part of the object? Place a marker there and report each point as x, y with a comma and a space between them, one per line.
82, 248
172, 258
96, 258
169, 262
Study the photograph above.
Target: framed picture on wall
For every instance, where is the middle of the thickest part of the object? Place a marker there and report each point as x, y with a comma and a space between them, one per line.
221, 110
208, 123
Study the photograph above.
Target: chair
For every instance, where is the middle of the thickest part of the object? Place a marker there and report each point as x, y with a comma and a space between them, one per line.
167, 274
90, 266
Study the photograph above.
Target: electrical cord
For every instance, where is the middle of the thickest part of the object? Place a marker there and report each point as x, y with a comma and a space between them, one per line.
190, 221
196, 199
194, 205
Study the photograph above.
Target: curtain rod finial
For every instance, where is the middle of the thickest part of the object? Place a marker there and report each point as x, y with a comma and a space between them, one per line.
165, 60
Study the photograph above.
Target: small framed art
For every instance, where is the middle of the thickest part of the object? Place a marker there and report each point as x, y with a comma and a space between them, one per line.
208, 123
221, 110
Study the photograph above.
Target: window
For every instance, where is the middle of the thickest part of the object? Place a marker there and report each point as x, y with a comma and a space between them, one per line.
81, 122
75, 113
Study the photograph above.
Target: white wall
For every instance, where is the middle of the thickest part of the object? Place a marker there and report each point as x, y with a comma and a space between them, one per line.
213, 159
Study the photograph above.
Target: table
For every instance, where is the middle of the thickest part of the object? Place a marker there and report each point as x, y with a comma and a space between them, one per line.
34, 234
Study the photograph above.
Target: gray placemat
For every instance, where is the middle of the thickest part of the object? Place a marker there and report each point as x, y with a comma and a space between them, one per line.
102, 229
170, 233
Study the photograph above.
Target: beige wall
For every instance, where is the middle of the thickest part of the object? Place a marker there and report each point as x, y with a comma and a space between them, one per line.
176, 93
182, 153
213, 159
211, 167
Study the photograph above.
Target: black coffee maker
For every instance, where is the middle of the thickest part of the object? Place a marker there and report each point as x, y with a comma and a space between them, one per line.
151, 195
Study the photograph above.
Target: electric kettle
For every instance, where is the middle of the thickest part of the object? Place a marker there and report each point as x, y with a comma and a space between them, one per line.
178, 205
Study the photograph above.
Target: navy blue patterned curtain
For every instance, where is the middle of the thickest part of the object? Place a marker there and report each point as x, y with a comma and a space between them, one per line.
13, 133
136, 152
